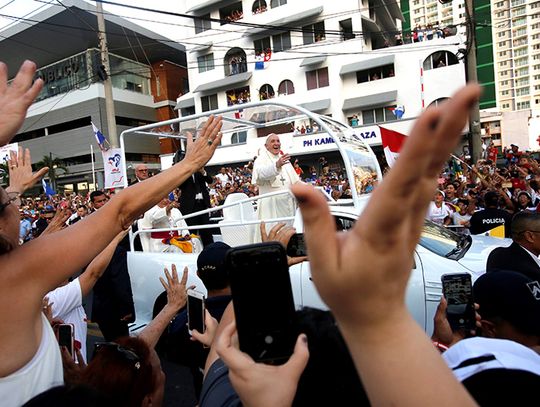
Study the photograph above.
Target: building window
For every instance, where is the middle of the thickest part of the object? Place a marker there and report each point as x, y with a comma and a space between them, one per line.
277, 3
286, 87
282, 42
438, 101
209, 102
234, 62
440, 59
259, 6
206, 62
523, 105
230, 13
239, 137
202, 23
266, 92
238, 96
378, 115
346, 29
317, 78
521, 61
261, 45
505, 105
373, 74
522, 91
313, 33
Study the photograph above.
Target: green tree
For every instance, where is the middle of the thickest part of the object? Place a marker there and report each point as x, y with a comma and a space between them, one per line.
54, 165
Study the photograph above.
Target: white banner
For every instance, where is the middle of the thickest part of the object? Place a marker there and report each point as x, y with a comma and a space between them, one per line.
113, 162
4, 151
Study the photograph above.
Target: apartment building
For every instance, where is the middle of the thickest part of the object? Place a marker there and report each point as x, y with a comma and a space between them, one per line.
516, 33
148, 72
334, 58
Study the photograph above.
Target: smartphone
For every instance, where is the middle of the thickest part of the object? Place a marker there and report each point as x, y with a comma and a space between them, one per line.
263, 301
195, 310
296, 246
65, 337
457, 289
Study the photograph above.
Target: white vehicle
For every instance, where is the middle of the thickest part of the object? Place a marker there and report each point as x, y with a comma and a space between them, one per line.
439, 252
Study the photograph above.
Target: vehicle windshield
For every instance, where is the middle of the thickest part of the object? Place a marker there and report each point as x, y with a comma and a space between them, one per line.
442, 241
245, 127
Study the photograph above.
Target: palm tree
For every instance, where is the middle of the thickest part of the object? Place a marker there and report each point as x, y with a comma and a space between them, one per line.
54, 165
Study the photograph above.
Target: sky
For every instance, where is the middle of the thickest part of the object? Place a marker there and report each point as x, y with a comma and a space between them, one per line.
165, 25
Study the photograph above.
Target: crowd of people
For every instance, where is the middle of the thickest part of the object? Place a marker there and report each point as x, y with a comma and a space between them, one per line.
348, 355
480, 197
422, 33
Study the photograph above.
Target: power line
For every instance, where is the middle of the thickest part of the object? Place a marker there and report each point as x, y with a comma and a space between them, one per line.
223, 21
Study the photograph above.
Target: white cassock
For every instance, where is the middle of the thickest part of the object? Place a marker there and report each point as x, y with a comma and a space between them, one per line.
158, 218
270, 179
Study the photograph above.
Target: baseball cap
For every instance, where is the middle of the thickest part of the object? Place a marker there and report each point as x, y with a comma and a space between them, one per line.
511, 296
211, 266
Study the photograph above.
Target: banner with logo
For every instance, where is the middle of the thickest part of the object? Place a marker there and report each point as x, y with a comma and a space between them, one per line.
4, 151
114, 165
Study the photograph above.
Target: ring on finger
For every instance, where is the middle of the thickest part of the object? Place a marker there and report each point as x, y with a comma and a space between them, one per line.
210, 142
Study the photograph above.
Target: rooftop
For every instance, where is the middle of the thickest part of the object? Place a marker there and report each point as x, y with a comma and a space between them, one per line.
58, 32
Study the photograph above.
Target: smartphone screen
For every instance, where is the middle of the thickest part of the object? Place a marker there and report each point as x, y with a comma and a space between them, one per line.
457, 289
263, 301
65, 337
195, 307
296, 246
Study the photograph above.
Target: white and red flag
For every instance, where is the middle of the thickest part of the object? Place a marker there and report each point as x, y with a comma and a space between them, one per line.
392, 142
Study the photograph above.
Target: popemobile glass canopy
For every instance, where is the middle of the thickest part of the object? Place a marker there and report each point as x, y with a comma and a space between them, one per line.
253, 121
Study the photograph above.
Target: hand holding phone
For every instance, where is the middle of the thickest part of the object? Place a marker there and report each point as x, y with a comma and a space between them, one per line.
460, 312
195, 310
65, 338
263, 301
297, 246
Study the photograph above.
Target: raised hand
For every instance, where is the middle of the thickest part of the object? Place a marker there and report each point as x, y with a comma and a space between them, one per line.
21, 176
176, 289
362, 274
201, 150
258, 384
16, 98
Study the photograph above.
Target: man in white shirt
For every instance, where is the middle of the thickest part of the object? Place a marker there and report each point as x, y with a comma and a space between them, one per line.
66, 300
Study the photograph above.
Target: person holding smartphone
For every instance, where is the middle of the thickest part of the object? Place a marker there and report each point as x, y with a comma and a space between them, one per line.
502, 365
33, 365
362, 276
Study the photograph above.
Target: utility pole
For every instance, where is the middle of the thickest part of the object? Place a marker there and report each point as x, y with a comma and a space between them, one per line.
475, 136
109, 101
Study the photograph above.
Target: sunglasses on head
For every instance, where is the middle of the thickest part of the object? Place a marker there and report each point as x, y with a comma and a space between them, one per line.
126, 353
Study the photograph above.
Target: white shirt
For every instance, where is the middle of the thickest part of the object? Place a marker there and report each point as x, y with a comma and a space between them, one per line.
223, 178
506, 355
438, 215
67, 305
43, 372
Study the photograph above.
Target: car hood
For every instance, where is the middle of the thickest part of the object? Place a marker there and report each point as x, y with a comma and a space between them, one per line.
476, 257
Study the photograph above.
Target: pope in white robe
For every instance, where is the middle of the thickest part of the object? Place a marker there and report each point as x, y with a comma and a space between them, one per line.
273, 171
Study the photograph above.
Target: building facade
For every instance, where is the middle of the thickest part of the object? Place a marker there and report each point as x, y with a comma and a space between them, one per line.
147, 72
516, 30
334, 58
